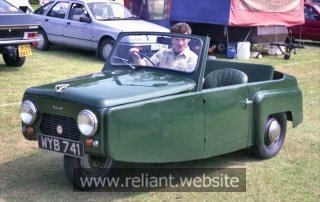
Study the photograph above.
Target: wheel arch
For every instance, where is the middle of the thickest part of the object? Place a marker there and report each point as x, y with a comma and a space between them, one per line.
104, 37
267, 103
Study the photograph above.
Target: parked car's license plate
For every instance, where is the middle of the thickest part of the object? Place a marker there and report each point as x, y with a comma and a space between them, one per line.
158, 46
69, 147
24, 50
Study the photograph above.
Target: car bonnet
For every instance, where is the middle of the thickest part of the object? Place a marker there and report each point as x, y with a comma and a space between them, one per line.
106, 89
133, 26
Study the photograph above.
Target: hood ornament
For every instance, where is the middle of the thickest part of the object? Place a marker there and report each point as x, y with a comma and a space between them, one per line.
60, 87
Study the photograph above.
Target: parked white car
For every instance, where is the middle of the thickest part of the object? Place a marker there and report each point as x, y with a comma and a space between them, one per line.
87, 24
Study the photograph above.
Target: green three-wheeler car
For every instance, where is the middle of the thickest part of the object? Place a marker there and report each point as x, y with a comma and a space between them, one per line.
153, 113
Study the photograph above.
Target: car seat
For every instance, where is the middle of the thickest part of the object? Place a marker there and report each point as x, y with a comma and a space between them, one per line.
224, 77
75, 14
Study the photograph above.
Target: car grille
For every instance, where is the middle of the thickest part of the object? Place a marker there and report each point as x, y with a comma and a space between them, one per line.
49, 123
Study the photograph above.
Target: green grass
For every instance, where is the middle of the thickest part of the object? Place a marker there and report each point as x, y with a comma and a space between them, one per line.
28, 173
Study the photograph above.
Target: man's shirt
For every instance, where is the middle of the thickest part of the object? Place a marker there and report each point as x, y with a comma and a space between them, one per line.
185, 61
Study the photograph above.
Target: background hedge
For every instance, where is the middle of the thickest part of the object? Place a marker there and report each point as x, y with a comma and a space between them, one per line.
34, 1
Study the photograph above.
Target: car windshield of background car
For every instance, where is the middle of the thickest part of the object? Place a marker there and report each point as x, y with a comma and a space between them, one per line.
107, 11
43, 9
120, 11
160, 52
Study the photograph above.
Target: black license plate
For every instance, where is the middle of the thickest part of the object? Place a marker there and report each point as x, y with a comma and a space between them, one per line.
68, 147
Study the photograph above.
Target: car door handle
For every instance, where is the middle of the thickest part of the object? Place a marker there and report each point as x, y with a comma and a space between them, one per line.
46, 20
247, 101
68, 23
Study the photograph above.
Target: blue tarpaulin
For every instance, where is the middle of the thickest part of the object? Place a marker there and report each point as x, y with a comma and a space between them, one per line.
212, 11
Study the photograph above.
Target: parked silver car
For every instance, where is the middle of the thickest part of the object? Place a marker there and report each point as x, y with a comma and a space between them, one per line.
87, 24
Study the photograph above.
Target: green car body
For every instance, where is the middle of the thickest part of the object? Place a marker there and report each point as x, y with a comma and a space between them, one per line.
159, 115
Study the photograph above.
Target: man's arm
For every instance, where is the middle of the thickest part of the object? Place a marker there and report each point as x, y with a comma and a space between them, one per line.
152, 61
136, 56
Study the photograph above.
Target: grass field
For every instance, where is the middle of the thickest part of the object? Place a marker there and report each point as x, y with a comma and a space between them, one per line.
26, 173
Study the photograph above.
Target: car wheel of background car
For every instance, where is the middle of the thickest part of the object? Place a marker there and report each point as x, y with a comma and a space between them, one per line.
13, 61
221, 47
80, 168
43, 44
105, 49
275, 133
286, 56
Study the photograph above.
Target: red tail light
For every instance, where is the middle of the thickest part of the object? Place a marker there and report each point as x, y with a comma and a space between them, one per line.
30, 35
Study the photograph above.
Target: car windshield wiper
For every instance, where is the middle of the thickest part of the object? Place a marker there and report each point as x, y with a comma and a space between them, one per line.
115, 18
132, 17
111, 18
125, 61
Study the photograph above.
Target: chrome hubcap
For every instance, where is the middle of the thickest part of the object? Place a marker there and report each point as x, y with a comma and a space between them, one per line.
106, 50
92, 166
41, 41
274, 131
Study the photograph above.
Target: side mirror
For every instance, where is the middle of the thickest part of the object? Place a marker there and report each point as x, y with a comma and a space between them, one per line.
85, 19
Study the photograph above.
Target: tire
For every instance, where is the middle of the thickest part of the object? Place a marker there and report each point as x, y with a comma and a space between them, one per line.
286, 56
221, 47
78, 169
274, 135
13, 61
44, 43
105, 49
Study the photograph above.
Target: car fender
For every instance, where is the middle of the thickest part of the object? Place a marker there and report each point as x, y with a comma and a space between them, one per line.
101, 32
265, 103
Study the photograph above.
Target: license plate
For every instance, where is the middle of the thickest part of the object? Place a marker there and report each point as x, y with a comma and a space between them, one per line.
158, 46
24, 50
68, 147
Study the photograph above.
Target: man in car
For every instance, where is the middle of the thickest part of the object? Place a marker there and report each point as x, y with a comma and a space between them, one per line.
179, 57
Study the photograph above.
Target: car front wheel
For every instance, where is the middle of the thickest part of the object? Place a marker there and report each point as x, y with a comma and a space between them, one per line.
80, 171
105, 49
13, 61
274, 135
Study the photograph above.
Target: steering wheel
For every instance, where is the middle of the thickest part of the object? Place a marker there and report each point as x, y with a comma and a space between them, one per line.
148, 58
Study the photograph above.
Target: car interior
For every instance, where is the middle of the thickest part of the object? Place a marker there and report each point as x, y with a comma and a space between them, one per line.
76, 13
224, 77
264, 73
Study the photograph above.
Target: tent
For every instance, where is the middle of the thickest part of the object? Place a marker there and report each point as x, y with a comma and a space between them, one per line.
226, 21
243, 13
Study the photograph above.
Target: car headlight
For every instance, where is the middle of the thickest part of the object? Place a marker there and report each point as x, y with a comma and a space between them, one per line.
28, 112
87, 123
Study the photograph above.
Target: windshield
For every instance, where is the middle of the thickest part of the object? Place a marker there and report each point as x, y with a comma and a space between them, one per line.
109, 10
178, 53
6, 8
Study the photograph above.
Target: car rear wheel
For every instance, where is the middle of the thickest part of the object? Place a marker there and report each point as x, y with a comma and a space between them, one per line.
43, 43
274, 135
105, 49
78, 170
13, 61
